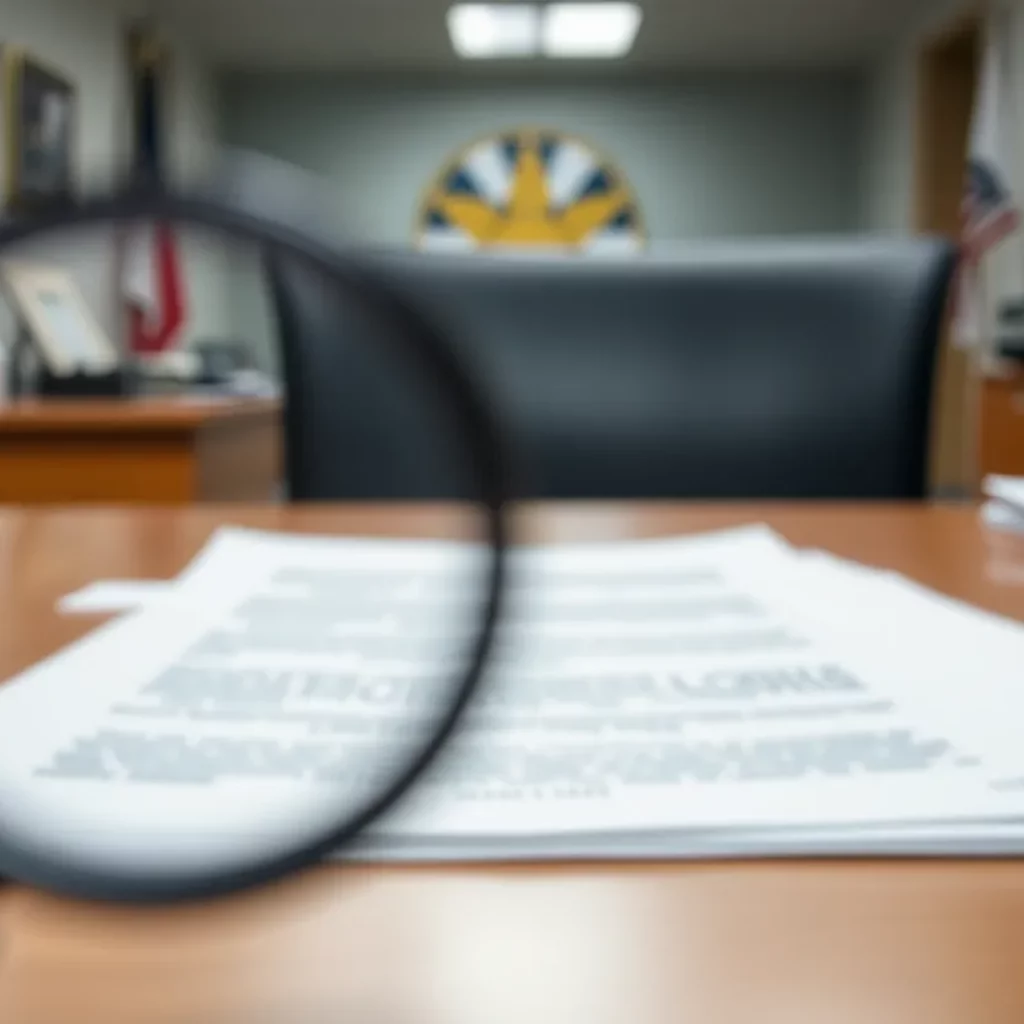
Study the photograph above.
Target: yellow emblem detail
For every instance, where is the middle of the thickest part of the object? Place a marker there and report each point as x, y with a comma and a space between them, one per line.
527, 201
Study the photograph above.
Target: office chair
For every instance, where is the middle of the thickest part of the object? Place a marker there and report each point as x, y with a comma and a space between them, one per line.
771, 370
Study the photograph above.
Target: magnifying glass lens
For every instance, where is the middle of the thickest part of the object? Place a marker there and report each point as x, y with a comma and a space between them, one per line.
275, 704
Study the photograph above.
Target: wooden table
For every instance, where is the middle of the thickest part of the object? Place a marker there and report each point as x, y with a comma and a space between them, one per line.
800, 943
139, 451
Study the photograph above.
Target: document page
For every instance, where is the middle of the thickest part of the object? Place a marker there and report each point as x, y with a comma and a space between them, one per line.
1005, 508
1006, 489
675, 690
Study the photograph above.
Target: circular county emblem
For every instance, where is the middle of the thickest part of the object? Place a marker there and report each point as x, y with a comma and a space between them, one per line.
529, 189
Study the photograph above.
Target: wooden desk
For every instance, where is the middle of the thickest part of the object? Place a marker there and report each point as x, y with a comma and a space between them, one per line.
843, 943
146, 450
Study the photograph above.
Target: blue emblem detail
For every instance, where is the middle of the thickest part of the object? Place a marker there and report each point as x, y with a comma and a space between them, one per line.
600, 184
459, 183
624, 220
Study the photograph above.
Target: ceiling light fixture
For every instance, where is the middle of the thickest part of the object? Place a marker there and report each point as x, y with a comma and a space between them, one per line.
589, 29
482, 31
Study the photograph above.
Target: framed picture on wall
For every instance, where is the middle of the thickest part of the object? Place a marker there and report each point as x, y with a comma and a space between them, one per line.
41, 114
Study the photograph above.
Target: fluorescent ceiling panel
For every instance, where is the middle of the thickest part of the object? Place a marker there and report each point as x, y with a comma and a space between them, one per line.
589, 29
488, 31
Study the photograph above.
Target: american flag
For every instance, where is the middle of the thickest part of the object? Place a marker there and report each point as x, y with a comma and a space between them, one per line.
990, 211
990, 214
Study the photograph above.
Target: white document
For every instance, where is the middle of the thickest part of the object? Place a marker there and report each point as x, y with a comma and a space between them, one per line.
1006, 489
998, 515
722, 694
1005, 508
106, 597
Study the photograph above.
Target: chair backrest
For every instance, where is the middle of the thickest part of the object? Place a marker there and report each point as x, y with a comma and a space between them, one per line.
770, 370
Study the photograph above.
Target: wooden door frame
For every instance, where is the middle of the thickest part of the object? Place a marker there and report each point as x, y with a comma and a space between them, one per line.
964, 29
941, 148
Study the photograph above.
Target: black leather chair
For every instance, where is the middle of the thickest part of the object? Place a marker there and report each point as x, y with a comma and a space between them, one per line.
788, 370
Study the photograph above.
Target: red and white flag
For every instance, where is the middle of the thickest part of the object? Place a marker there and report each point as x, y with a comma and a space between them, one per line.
153, 289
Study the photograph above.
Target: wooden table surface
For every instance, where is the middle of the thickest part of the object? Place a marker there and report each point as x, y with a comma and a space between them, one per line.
871, 943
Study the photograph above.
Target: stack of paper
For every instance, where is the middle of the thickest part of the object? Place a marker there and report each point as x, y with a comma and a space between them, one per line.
1004, 509
701, 696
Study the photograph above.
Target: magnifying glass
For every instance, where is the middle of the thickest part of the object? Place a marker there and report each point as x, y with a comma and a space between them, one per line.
96, 825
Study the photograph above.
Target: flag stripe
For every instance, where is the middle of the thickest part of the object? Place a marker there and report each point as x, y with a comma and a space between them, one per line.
153, 291
152, 279
985, 236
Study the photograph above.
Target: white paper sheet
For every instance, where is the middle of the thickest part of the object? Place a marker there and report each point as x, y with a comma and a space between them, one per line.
1005, 509
999, 515
106, 597
714, 694
1006, 489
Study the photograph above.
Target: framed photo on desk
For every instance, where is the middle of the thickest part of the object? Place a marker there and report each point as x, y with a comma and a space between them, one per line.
67, 335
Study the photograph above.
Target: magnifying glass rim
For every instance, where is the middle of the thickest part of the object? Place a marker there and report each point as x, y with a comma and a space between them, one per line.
419, 341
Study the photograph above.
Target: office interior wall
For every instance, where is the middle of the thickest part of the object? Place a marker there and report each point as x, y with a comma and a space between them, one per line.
1005, 267
708, 155
193, 114
889, 203
84, 41
81, 39
889, 164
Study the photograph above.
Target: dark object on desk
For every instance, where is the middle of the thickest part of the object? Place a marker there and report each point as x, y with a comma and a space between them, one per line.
1012, 311
1010, 341
116, 384
220, 360
28, 375
770, 370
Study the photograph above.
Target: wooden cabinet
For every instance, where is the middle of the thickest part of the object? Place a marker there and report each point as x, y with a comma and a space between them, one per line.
139, 451
1002, 425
